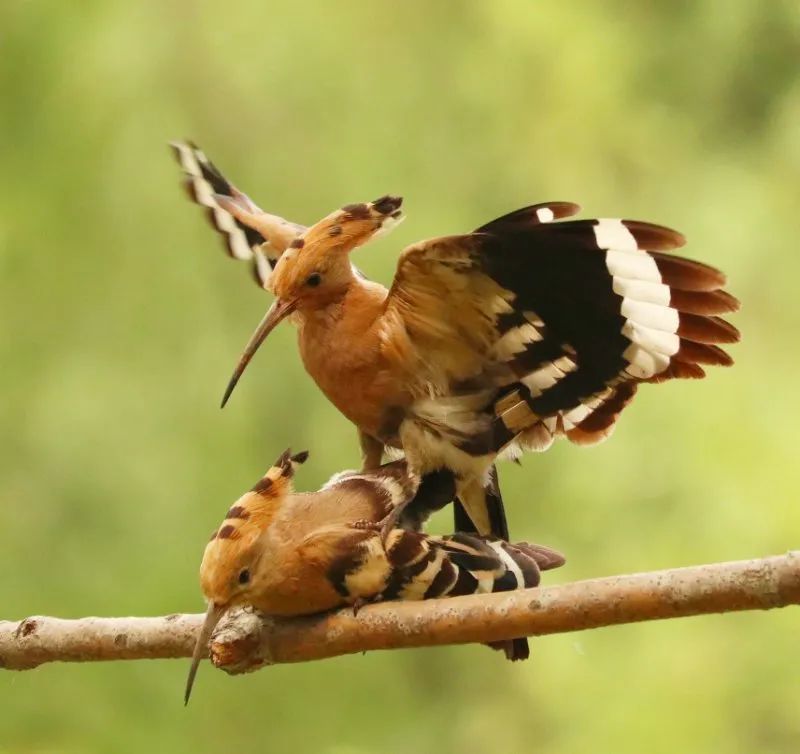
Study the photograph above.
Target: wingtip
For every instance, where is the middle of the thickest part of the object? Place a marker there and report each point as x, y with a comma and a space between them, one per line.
564, 209
180, 144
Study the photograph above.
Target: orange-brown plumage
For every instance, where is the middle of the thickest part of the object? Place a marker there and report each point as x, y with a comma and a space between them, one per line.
340, 348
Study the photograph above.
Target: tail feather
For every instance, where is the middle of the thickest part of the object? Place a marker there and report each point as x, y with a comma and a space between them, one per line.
545, 557
426, 567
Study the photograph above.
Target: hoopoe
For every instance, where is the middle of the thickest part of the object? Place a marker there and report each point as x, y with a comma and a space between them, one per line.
287, 554
488, 343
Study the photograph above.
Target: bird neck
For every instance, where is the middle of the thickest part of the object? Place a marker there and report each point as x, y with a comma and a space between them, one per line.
351, 314
340, 348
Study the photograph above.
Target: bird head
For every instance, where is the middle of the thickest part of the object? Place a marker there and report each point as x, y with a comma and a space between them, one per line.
315, 270
233, 567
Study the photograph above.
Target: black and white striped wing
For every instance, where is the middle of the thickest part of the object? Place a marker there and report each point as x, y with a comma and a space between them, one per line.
548, 327
425, 567
262, 240
604, 309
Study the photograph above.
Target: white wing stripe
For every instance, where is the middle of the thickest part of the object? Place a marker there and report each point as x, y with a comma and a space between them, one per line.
640, 266
650, 315
547, 376
263, 267
515, 341
225, 222
666, 343
612, 234
643, 364
642, 290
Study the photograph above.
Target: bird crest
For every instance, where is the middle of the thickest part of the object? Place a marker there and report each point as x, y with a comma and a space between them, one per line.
232, 553
243, 526
351, 226
317, 257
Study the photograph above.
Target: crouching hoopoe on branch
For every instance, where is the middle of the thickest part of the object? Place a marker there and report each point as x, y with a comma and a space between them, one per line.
289, 554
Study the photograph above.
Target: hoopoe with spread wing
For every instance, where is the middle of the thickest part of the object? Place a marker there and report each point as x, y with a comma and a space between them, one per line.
287, 554
488, 343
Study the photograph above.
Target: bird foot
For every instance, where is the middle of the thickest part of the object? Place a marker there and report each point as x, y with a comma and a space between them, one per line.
359, 602
384, 526
388, 523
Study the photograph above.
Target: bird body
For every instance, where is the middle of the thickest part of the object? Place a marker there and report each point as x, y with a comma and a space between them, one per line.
488, 343
289, 554
356, 378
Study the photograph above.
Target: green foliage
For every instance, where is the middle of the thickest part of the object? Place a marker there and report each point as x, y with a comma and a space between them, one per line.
122, 320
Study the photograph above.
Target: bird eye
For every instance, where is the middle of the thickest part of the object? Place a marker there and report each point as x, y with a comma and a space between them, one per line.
313, 280
244, 576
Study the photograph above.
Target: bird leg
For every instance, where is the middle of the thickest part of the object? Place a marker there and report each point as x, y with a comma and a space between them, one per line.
436, 489
391, 521
371, 451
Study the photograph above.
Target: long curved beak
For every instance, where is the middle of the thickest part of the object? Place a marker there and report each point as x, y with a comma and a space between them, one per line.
275, 314
213, 615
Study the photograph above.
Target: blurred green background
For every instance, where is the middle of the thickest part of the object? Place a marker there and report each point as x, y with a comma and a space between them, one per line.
122, 319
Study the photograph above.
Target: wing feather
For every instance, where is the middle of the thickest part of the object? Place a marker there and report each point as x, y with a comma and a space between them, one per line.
528, 328
250, 234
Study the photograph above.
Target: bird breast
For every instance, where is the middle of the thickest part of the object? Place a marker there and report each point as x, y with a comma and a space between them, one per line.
341, 350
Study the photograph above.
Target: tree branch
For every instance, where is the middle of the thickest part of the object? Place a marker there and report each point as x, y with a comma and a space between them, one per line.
244, 640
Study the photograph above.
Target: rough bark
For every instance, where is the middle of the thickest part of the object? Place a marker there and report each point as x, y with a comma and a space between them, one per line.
244, 640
